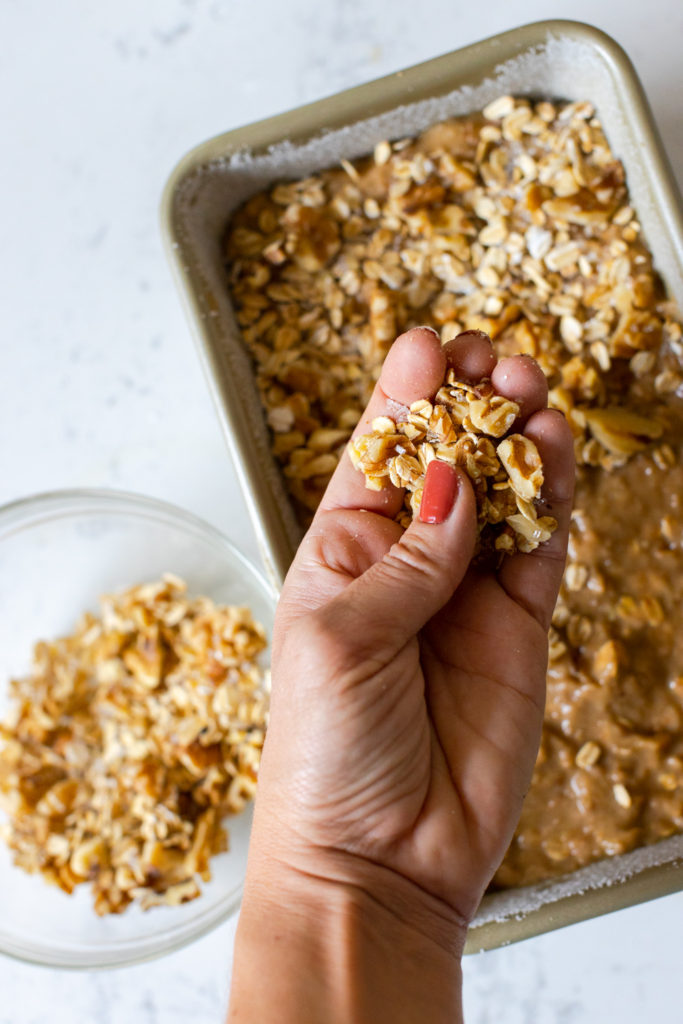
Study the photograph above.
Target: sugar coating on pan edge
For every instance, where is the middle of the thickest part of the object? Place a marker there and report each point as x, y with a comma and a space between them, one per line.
512, 903
560, 65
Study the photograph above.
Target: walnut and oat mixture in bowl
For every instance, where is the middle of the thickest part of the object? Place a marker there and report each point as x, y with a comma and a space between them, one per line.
517, 222
129, 746
130, 742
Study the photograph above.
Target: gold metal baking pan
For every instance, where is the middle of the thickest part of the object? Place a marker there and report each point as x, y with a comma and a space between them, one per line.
555, 59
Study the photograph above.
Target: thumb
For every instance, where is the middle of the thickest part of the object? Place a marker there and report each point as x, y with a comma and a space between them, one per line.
401, 592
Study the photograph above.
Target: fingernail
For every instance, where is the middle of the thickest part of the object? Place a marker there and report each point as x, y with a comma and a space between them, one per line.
473, 333
439, 492
426, 327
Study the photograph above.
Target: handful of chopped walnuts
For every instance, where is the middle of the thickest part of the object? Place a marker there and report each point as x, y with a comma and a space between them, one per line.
465, 425
129, 743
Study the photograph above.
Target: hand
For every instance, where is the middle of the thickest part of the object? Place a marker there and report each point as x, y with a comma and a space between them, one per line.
408, 686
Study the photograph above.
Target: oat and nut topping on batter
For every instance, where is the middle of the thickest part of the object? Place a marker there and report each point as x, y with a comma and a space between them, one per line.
517, 222
130, 741
468, 426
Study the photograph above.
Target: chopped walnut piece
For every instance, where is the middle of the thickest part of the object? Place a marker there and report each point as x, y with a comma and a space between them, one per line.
620, 430
129, 743
493, 416
520, 459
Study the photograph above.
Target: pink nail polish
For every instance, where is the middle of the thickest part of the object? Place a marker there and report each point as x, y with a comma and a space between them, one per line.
439, 492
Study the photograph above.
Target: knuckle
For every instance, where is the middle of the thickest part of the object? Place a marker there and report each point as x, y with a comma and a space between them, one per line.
413, 555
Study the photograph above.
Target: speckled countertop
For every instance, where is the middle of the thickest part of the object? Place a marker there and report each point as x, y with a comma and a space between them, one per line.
99, 384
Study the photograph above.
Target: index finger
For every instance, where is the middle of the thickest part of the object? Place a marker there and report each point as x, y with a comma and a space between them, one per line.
414, 368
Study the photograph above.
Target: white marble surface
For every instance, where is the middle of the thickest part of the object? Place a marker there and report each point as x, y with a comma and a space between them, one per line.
99, 384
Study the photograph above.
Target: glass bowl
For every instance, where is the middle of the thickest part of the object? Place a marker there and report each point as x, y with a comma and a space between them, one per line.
58, 553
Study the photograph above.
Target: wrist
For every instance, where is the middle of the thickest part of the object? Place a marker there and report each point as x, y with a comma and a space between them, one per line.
275, 876
341, 939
